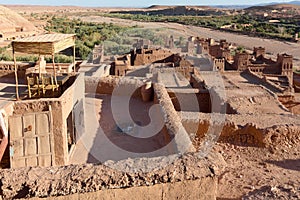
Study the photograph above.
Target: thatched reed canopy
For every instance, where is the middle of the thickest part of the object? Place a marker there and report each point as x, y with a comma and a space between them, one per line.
47, 44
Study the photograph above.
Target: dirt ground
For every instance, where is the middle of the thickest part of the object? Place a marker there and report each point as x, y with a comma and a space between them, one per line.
259, 173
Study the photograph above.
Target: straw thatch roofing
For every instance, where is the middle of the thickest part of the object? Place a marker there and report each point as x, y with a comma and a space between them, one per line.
47, 44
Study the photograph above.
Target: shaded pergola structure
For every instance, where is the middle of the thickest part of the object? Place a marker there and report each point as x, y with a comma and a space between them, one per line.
47, 44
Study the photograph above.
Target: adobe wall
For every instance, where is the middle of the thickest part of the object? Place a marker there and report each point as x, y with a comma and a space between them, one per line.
196, 81
148, 56
60, 109
268, 84
181, 101
167, 191
294, 107
8, 68
246, 130
106, 85
215, 51
187, 177
173, 128
296, 82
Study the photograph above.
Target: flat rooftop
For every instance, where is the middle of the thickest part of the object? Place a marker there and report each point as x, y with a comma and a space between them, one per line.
173, 80
8, 89
244, 93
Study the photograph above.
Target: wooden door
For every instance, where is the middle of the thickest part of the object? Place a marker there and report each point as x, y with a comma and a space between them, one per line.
31, 140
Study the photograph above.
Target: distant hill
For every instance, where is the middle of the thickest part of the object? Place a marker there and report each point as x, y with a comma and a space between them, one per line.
11, 22
262, 4
162, 7
290, 2
295, 2
274, 7
176, 10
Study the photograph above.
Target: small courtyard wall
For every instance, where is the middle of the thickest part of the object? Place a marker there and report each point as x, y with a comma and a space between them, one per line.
106, 85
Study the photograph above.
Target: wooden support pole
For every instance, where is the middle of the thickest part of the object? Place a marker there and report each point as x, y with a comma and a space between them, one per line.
16, 76
39, 61
74, 69
54, 71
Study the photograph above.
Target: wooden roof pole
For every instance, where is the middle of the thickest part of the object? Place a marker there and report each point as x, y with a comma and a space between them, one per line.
74, 59
39, 60
16, 75
54, 71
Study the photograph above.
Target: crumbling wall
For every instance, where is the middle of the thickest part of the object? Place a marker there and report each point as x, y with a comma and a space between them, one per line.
8, 68
264, 82
187, 177
168, 191
196, 81
247, 134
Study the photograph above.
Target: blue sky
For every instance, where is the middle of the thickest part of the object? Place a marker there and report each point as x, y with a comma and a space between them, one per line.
132, 3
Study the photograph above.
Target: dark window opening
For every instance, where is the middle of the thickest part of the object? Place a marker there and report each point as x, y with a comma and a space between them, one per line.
71, 136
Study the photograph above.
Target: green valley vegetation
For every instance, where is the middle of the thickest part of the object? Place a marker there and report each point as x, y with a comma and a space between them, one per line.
241, 23
116, 39
88, 34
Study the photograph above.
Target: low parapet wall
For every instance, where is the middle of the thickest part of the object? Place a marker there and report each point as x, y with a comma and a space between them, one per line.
246, 130
107, 85
8, 68
188, 177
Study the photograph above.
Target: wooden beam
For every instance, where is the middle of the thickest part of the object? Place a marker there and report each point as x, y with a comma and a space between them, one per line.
74, 70
16, 76
54, 70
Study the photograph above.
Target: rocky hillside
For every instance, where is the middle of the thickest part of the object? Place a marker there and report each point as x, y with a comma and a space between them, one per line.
10, 21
